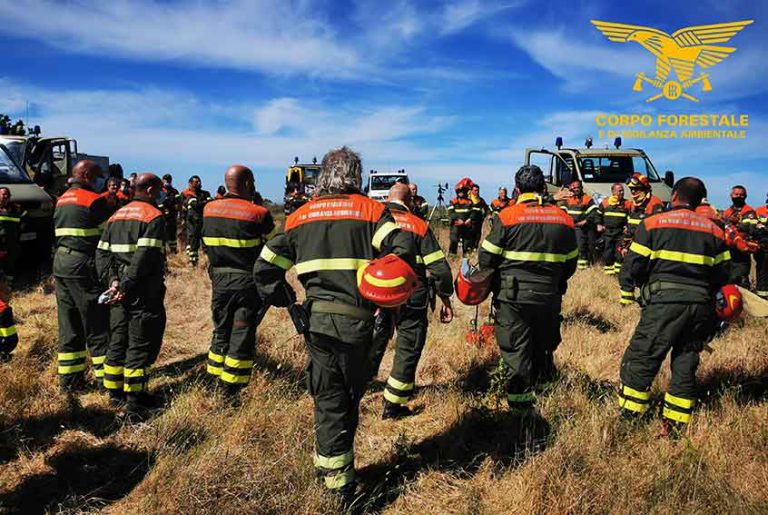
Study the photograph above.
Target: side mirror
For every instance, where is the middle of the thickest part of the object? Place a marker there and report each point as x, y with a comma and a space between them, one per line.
669, 178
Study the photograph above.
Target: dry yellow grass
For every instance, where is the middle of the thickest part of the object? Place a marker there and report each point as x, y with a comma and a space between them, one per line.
460, 454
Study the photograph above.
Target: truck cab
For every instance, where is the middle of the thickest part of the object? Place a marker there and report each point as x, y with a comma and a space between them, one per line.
598, 168
379, 183
300, 183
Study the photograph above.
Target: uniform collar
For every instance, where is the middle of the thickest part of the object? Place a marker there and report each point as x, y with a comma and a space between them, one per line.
529, 197
395, 205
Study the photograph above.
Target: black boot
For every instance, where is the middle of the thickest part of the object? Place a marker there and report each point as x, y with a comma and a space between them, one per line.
116, 398
395, 411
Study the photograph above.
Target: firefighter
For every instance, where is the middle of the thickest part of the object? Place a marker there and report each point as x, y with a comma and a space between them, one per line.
612, 217
234, 232
501, 202
328, 240
708, 210
131, 259
10, 223
761, 257
583, 211
742, 218
220, 192
9, 338
170, 198
678, 259
460, 212
82, 320
412, 319
644, 204
532, 249
195, 198
480, 211
114, 197
419, 203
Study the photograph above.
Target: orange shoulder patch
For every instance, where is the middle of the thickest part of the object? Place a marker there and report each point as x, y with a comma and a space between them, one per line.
137, 211
410, 222
336, 207
234, 209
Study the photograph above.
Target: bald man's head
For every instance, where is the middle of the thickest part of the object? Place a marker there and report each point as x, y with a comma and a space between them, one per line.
148, 186
400, 192
239, 181
86, 172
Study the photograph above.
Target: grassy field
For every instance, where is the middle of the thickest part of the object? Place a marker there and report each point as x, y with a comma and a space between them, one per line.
462, 452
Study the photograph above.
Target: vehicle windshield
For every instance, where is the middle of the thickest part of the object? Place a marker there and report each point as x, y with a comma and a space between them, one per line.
16, 149
384, 182
610, 169
10, 173
310, 175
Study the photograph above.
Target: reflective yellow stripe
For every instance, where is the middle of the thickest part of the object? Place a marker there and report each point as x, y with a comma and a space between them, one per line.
677, 416
627, 301
316, 265
234, 379
385, 283
150, 242
521, 397
382, 233
103, 245
539, 256
394, 383
419, 260
628, 294
395, 399
632, 405
339, 480
270, 257
231, 242
635, 221
750, 221
98, 360
493, 249
434, 256
637, 394
574, 212
122, 247
334, 462
640, 249
682, 257
723, 256
591, 208
68, 356
133, 372
113, 371
4, 218
615, 214
113, 385
238, 363
70, 231
7, 331
214, 370
679, 401
218, 358
98, 373
72, 369
136, 387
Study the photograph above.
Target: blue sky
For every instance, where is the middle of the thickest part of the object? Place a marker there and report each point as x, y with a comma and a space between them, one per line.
443, 89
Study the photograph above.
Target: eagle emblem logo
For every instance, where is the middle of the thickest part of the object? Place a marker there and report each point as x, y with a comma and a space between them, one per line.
680, 53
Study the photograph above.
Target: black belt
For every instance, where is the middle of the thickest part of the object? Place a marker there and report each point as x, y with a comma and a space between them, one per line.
339, 308
658, 286
229, 270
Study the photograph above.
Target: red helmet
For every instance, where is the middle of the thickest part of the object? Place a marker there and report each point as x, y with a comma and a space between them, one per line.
638, 182
387, 282
464, 184
728, 302
472, 286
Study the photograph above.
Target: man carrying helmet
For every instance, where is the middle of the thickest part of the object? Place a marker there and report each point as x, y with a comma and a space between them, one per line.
412, 319
740, 221
195, 198
612, 217
460, 212
330, 240
480, 211
501, 202
583, 211
532, 248
678, 258
644, 204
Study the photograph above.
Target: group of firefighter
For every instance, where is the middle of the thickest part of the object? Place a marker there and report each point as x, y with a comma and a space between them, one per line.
369, 269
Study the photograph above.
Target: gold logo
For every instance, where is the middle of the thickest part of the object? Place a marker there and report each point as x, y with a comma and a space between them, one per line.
680, 52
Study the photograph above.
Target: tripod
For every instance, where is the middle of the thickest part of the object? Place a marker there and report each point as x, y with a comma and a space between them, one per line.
440, 203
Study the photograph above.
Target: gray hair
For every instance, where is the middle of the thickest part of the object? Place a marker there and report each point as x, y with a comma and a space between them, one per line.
341, 172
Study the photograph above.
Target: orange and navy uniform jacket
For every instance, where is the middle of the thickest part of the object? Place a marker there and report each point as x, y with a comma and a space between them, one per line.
10, 225
533, 248
430, 256
170, 205
497, 205
743, 218
639, 213
194, 203
327, 240
420, 206
706, 210
234, 232
580, 208
132, 248
8, 336
761, 228
679, 246
613, 215
116, 201
78, 217
460, 209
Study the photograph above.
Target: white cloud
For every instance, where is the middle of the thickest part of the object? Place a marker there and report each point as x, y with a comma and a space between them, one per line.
460, 14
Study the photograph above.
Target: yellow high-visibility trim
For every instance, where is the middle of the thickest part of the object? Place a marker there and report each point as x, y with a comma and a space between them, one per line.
493, 249
103, 245
419, 260
394, 383
133, 372
682, 257
113, 385
722, 257
270, 257
334, 462
385, 283
217, 358
382, 233
150, 242
628, 294
627, 301
339, 480
433, 256
122, 247
216, 371
316, 265
591, 208
231, 242
637, 394
677, 416
679, 401
635, 221
238, 363
4, 218
574, 211
8, 331
615, 214
750, 221
632, 405
234, 379
67, 356
98, 360
136, 387
72, 369
71, 231
98, 373
395, 399
113, 370
640, 249
539, 256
